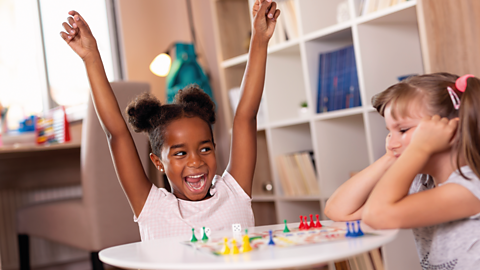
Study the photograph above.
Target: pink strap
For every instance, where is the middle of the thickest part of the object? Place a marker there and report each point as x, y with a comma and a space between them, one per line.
461, 83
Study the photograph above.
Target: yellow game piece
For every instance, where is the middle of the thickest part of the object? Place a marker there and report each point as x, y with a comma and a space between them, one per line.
234, 247
246, 244
226, 249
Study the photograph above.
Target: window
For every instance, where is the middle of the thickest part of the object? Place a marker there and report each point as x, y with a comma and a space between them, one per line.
38, 71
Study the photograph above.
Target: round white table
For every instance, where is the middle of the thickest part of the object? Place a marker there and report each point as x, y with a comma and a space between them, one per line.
171, 253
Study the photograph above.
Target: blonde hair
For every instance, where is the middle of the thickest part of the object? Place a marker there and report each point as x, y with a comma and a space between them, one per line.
430, 90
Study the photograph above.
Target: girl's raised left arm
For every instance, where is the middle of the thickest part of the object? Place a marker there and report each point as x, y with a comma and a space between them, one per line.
244, 135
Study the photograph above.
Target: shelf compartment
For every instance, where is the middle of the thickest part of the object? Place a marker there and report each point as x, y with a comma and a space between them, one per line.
321, 45
288, 140
265, 213
393, 14
342, 149
291, 139
284, 84
378, 133
234, 37
397, 53
262, 175
317, 14
292, 210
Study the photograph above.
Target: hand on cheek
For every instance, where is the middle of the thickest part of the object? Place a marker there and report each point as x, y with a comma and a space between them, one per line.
434, 134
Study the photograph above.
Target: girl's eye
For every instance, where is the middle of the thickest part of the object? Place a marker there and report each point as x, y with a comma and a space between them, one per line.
404, 130
181, 153
205, 149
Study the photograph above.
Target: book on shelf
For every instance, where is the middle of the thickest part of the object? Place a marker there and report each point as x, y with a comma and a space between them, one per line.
376, 259
371, 260
338, 86
297, 174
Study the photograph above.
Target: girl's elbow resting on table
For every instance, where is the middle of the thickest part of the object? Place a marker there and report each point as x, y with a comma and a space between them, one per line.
336, 215
380, 218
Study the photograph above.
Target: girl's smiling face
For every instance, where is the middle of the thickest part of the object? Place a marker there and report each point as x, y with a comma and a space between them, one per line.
401, 128
188, 158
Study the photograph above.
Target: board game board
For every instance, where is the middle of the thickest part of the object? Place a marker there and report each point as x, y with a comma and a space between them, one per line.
262, 240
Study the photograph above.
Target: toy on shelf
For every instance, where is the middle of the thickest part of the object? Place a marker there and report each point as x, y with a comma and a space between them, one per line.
53, 127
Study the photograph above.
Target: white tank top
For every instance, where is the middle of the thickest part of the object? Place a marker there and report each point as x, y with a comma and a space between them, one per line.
164, 215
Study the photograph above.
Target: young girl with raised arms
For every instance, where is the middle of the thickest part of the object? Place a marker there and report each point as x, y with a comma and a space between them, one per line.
428, 179
182, 141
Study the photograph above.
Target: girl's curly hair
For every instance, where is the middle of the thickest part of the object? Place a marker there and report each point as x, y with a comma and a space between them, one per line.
146, 113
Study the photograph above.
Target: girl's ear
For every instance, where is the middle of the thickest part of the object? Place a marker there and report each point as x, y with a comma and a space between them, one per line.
156, 161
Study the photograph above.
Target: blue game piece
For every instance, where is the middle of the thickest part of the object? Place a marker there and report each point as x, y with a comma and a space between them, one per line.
349, 234
271, 243
359, 231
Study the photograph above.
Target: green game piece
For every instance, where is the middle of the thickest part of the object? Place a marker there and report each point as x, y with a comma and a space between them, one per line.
205, 237
286, 228
194, 239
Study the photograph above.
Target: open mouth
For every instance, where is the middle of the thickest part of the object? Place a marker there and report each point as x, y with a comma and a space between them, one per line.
196, 183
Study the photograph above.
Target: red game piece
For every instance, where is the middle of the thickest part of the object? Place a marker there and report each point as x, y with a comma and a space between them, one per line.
306, 223
318, 224
312, 223
301, 226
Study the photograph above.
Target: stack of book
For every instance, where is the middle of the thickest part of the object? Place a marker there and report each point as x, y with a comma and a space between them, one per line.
369, 6
297, 174
337, 81
287, 26
371, 260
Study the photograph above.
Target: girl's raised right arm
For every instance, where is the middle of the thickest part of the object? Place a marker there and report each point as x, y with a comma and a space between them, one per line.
124, 154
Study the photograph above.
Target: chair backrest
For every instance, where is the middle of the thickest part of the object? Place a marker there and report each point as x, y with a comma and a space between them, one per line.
107, 207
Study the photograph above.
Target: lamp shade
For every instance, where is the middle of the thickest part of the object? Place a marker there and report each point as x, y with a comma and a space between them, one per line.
160, 66
185, 71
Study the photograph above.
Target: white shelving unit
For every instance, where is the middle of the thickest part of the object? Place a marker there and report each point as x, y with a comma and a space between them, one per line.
386, 44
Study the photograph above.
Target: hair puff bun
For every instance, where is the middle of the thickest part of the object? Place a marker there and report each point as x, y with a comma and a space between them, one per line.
196, 102
142, 111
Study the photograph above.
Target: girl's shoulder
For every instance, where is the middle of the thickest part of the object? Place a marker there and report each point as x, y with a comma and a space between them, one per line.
472, 183
227, 183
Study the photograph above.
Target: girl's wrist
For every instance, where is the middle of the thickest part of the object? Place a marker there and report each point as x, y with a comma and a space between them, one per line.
388, 159
91, 57
259, 41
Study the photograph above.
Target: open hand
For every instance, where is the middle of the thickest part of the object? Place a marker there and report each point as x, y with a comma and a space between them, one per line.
78, 35
434, 134
265, 14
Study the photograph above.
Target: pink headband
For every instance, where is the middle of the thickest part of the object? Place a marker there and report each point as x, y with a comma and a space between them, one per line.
461, 83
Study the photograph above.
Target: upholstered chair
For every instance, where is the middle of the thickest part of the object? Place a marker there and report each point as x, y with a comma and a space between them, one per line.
102, 217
